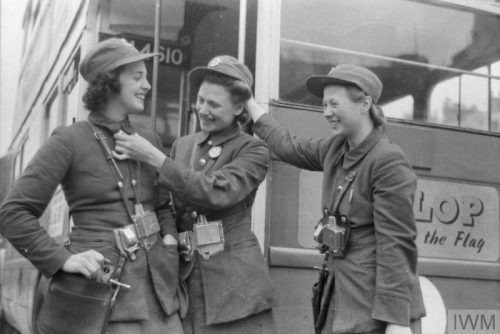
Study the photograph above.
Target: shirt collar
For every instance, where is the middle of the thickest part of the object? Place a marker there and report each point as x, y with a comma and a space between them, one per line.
351, 157
104, 121
220, 137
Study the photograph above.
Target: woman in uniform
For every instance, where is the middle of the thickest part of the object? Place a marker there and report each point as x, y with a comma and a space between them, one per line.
368, 189
106, 201
213, 176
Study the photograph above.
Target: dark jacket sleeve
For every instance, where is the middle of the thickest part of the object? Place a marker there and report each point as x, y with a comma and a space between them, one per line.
165, 215
224, 187
164, 209
300, 152
29, 198
394, 186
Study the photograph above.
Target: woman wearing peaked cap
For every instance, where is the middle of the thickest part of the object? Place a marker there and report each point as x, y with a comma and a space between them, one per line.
103, 202
369, 184
213, 176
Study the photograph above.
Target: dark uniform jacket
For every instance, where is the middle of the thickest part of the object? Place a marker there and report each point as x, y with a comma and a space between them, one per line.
74, 158
236, 282
376, 283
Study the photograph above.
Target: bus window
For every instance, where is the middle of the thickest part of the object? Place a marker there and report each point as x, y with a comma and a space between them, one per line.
401, 108
444, 104
193, 32
430, 76
474, 101
462, 101
495, 98
214, 29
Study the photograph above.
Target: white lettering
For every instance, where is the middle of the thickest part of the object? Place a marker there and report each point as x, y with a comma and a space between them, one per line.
447, 208
423, 213
168, 55
472, 207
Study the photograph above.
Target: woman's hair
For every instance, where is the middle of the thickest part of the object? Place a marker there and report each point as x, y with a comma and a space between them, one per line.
376, 113
240, 93
101, 88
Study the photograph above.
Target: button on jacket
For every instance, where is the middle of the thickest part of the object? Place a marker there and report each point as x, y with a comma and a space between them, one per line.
74, 158
376, 282
236, 282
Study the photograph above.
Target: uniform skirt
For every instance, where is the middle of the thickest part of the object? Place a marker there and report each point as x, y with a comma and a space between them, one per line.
195, 320
157, 322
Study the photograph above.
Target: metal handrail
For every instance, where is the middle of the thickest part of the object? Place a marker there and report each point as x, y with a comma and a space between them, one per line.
156, 49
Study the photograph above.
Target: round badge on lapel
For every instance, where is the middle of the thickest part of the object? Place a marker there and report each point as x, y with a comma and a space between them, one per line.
214, 152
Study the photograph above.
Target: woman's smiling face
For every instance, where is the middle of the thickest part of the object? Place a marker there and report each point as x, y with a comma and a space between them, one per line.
215, 107
341, 112
134, 87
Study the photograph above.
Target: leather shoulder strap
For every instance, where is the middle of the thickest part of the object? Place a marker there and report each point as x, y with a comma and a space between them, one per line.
101, 138
343, 189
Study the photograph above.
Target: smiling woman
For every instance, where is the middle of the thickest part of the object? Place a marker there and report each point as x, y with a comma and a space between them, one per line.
374, 288
213, 176
109, 202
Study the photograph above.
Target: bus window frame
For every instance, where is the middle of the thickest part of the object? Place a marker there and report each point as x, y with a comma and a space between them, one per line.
460, 74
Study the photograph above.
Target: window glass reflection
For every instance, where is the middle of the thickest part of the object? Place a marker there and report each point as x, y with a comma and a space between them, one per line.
424, 54
401, 108
495, 98
474, 101
444, 102
390, 28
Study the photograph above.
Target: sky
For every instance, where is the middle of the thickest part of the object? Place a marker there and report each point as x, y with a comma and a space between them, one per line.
11, 34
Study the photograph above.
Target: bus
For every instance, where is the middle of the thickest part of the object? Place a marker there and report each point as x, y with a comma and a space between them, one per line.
439, 61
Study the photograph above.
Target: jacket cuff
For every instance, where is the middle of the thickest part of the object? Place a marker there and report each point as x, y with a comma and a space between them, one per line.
170, 230
263, 126
55, 264
391, 309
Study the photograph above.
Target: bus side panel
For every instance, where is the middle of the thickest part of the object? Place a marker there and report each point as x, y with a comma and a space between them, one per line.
294, 314
472, 294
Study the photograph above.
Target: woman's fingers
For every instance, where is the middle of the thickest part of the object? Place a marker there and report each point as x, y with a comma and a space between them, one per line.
134, 147
120, 156
87, 263
123, 145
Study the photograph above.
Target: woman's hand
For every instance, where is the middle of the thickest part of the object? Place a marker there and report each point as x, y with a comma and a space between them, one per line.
170, 240
254, 109
87, 263
397, 329
137, 148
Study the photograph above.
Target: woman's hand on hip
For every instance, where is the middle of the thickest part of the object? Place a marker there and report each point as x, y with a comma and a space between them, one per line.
138, 148
87, 263
397, 329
